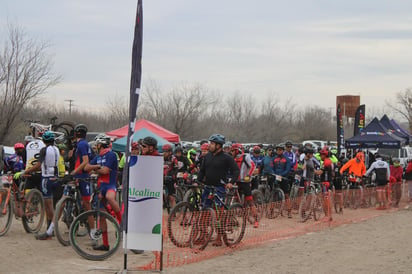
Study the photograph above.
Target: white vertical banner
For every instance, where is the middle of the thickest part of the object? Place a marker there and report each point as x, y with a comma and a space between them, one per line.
144, 229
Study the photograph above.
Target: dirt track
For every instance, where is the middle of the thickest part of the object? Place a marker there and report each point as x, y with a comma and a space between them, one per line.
379, 245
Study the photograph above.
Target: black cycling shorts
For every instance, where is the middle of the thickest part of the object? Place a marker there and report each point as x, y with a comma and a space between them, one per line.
244, 188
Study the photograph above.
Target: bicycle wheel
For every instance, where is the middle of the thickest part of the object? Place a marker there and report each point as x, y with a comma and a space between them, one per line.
317, 209
234, 225
93, 246
193, 197
6, 213
64, 127
202, 229
265, 190
306, 206
179, 224
276, 203
179, 195
259, 202
66, 211
34, 211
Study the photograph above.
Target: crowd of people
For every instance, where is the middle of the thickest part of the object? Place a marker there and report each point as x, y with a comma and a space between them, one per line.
217, 163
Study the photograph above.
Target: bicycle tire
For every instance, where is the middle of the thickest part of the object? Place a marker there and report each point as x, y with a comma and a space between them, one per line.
265, 190
276, 203
193, 197
34, 210
179, 224
306, 206
66, 211
202, 229
234, 225
83, 245
6, 213
179, 195
259, 202
317, 208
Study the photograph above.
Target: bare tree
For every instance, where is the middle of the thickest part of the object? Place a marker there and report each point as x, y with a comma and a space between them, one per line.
403, 105
25, 73
117, 113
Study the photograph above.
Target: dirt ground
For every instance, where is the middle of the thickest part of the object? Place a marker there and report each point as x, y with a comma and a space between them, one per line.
378, 245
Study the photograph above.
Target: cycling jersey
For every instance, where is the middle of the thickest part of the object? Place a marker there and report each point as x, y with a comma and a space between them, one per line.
382, 171
14, 163
82, 149
215, 168
106, 158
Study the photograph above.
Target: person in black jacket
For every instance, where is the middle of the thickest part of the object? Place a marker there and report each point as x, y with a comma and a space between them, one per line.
214, 171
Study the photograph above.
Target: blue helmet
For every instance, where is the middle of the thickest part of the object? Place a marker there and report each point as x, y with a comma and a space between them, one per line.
48, 136
217, 138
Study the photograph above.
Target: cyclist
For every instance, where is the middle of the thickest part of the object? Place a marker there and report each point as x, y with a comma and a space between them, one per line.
82, 154
170, 167
282, 167
246, 166
290, 154
15, 162
257, 159
192, 156
183, 163
149, 146
383, 174
204, 149
267, 162
337, 183
105, 164
395, 181
326, 177
214, 170
408, 180
48, 163
354, 166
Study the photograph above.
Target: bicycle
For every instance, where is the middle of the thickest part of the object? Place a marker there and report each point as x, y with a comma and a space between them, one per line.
370, 192
276, 200
355, 191
67, 209
234, 196
13, 200
182, 216
60, 130
104, 228
294, 195
311, 205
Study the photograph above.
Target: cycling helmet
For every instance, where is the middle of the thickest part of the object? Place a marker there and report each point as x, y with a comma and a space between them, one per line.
80, 128
61, 146
377, 155
280, 146
205, 146
237, 147
288, 143
167, 148
135, 145
18, 145
324, 152
192, 151
178, 149
217, 138
396, 160
256, 149
48, 136
103, 140
308, 150
334, 151
150, 141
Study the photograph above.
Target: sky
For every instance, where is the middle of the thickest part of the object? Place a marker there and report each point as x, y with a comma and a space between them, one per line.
306, 51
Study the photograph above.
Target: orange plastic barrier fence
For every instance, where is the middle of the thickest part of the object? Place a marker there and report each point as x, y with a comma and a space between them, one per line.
181, 250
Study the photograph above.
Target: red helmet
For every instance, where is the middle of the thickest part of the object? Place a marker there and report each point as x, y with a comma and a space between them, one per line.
135, 145
256, 149
237, 147
324, 152
205, 146
167, 147
18, 145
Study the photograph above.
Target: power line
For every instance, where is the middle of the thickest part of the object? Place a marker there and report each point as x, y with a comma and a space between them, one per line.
70, 105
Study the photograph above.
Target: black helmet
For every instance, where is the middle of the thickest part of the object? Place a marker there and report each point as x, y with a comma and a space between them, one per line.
308, 150
288, 143
178, 149
217, 138
150, 141
80, 128
280, 146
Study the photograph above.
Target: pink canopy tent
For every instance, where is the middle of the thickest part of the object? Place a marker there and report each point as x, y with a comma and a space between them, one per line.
142, 123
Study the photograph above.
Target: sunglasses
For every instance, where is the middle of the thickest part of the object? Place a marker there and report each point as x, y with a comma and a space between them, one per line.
288, 146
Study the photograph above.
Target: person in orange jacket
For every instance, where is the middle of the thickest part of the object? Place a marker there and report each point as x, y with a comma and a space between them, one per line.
355, 166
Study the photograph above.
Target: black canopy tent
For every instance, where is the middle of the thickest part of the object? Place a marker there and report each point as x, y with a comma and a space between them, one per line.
375, 135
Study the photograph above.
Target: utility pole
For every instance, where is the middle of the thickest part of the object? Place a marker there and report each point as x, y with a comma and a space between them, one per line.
70, 105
